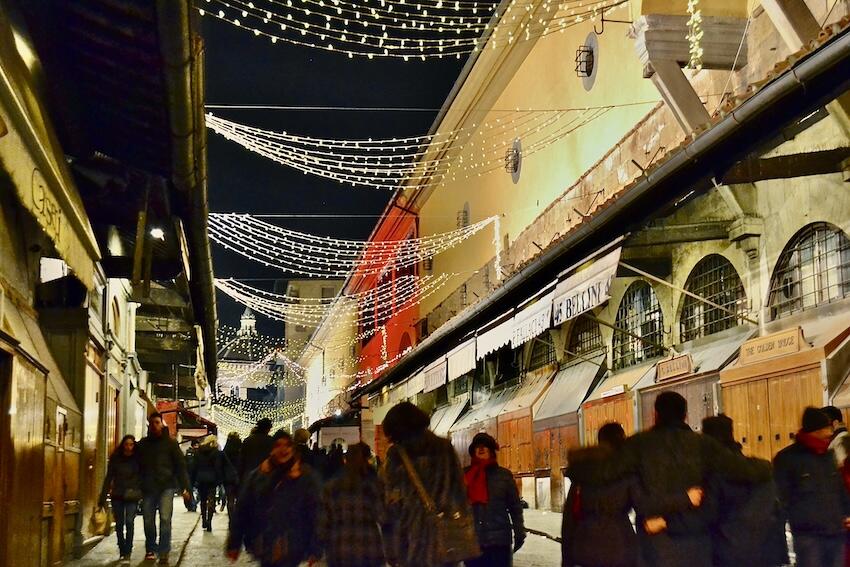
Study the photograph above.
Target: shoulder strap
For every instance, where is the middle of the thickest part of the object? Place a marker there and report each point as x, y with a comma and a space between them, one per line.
417, 482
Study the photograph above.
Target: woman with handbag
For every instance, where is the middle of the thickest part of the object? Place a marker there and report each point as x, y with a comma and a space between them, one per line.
430, 522
123, 484
207, 474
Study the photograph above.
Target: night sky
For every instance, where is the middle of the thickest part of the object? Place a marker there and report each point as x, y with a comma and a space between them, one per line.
244, 69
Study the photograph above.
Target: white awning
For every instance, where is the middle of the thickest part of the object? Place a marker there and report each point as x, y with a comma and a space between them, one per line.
532, 321
415, 385
447, 417
494, 339
585, 289
398, 393
435, 375
461, 359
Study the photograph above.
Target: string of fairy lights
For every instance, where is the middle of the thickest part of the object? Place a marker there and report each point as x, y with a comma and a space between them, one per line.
412, 162
402, 29
324, 257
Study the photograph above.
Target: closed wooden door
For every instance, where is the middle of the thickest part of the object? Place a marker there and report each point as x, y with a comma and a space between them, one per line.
747, 405
789, 395
615, 409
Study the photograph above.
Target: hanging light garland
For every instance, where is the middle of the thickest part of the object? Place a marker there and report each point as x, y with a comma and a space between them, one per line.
325, 257
402, 29
393, 162
695, 35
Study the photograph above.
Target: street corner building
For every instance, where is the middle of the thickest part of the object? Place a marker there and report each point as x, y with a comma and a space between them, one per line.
687, 232
106, 296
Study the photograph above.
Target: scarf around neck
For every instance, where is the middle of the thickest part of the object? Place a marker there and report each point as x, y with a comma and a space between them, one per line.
476, 480
812, 443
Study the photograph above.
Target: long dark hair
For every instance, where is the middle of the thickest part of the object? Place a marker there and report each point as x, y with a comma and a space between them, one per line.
357, 466
119, 450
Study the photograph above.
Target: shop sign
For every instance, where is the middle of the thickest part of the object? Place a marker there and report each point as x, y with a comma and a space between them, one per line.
681, 365
532, 322
435, 376
615, 391
585, 290
772, 346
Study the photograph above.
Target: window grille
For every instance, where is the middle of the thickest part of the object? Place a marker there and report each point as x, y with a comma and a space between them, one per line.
814, 269
585, 338
542, 353
715, 279
640, 316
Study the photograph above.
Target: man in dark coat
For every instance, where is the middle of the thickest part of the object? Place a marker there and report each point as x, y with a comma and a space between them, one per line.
746, 525
256, 447
163, 470
496, 506
812, 494
276, 517
668, 460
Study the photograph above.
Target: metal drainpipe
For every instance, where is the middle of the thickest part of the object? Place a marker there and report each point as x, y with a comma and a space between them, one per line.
182, 54
814, 80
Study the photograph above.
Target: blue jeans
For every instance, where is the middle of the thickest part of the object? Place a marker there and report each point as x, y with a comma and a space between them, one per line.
164, 503
819, 550
125, 517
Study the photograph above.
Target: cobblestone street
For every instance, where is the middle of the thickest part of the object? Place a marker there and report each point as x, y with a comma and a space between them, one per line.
193, 547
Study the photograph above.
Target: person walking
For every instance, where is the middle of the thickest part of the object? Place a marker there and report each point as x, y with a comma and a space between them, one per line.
256, 447
496, 507
422, 478
812, 493
668, 461
747, 527
840, 441
352, 513
123, 485
192, 502
233, 453
207, 475
163, 470
276, 516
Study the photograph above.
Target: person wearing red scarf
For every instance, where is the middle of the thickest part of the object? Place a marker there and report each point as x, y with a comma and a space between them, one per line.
496, 506
811, 491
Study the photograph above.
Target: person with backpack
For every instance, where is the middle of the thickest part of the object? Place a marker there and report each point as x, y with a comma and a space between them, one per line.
208, 474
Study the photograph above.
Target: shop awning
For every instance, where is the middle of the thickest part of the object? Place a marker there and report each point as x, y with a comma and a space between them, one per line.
415, 385
435, 375
448, 416
494, 338
379, 411
486, 410
532, 321
585, 289
461, 360
570, 388
529, 394
712, 356
627, 380
398, 393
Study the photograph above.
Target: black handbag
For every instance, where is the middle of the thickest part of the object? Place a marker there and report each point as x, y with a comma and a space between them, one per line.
455, 530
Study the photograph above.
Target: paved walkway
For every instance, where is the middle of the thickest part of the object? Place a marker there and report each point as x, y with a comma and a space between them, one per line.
193, 547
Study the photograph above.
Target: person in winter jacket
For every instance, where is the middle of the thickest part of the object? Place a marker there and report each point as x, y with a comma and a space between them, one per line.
276, 516
668, 460
839, 444
123, 485
747, 527
812, 493
410, 534
496, 506
207, 475
256, 448
192, 502
163, 470
233, 452
596, 529
352, 513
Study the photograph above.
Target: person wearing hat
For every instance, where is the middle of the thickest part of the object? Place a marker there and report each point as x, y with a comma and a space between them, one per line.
496, 507
812, 493
256, 447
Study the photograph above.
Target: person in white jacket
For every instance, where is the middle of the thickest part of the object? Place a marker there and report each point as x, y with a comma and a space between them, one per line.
840, 443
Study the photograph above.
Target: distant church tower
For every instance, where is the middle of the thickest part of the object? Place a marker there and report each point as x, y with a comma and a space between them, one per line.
248, 324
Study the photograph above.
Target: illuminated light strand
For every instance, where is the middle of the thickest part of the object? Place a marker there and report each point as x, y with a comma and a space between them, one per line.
327, 29
325, 257
380, 166
695, 35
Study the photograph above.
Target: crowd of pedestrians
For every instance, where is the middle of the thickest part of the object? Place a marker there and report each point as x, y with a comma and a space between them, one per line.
667, 496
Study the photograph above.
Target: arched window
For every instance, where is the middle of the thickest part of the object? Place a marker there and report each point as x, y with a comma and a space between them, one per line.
813, 269
116, 318
640, 325
715, 279
585, 338
542, 352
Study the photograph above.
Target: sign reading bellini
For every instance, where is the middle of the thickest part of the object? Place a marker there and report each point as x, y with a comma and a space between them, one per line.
585, 289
